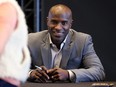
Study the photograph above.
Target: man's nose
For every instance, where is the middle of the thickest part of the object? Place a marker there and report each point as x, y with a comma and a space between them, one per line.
58, 26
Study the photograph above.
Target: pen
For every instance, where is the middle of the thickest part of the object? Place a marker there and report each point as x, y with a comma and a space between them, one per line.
38, 67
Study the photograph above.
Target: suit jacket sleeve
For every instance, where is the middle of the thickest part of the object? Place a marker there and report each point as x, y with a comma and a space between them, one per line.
93, 69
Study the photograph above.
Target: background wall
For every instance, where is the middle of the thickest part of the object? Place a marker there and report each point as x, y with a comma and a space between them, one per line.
97, 18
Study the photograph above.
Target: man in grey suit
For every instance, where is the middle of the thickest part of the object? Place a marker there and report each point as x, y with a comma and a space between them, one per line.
61, 53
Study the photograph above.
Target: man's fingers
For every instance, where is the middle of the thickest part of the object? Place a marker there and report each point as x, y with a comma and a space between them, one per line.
44, 68
41, 77
51, 71
43, 73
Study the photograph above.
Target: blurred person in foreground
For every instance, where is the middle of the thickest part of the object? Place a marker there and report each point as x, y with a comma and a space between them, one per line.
14, 54
61, 54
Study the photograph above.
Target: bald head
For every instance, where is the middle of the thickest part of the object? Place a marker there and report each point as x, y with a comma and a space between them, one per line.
60, 10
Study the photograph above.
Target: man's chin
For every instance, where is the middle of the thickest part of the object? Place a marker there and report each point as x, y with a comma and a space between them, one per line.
57, 40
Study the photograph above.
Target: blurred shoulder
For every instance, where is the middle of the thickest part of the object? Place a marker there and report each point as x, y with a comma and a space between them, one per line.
38, 34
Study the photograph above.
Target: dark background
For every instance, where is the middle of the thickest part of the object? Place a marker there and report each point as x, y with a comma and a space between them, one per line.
97, 18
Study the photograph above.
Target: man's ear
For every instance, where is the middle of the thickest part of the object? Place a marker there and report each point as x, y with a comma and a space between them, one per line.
71, 23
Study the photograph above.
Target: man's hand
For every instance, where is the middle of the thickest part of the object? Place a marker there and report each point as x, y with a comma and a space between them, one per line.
58, 74
40, 75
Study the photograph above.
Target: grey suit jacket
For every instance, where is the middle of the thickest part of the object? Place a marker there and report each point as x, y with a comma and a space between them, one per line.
78, 55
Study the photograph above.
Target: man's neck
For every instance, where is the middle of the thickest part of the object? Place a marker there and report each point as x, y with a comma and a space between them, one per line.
57, 45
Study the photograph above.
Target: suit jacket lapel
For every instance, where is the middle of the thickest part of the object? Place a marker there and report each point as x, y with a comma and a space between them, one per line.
46, 52
66, 51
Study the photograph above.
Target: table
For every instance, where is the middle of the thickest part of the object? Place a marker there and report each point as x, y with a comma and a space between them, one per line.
81, 84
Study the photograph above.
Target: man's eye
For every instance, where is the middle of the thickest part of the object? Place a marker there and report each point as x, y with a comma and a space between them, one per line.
64, 22
54, 22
